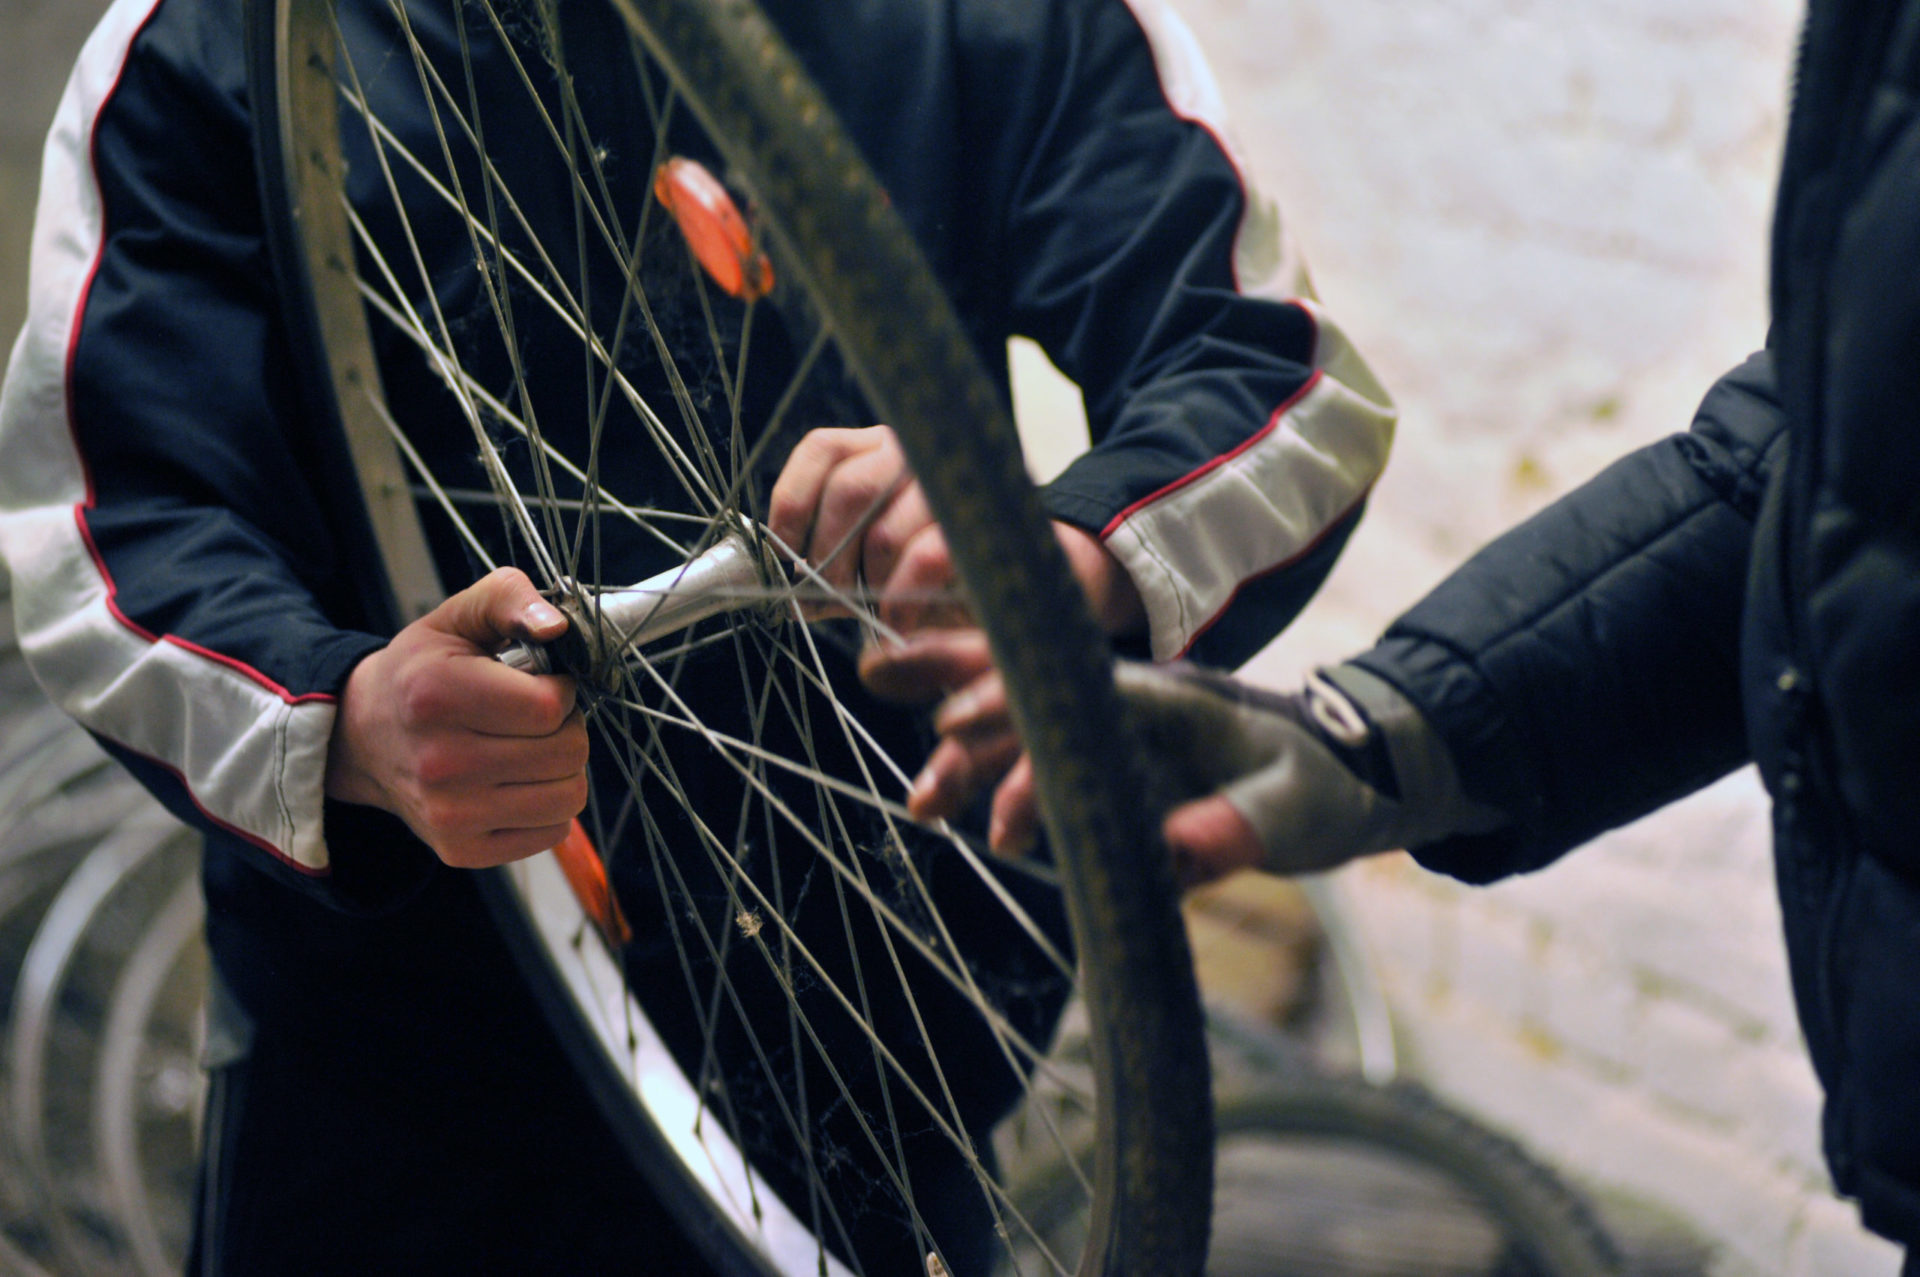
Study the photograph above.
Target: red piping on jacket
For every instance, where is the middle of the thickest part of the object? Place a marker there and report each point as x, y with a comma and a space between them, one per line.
86, 471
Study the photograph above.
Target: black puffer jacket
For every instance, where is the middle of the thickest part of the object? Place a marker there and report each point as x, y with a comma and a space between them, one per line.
1748, 590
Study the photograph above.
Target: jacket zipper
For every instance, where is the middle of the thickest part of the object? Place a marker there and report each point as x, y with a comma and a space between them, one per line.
1821, 185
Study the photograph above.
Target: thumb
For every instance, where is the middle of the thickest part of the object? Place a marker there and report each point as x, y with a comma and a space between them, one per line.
498, 608
1209, 839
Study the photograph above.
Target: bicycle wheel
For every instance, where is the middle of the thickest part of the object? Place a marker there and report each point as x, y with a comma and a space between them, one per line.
804, 1012
1331, 1176
99, 1069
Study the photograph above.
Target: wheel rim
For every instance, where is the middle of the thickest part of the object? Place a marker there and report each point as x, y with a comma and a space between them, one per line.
102, 912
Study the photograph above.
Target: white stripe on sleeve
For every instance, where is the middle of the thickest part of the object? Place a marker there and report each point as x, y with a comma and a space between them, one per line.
1191, 546
1194, 544
252, 756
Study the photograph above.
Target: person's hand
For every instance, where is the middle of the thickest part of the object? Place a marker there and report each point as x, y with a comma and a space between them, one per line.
486, 764
846, 502
979, 747
1294, 782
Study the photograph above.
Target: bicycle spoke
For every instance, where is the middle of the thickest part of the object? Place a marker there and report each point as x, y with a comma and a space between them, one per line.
726, 864
446, 363
567, 308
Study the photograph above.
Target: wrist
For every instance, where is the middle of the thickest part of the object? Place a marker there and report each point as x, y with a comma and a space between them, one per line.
1110, 591
1420, 773
349, 777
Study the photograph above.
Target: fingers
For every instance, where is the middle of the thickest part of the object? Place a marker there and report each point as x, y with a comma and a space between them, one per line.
796, 493
502, 847
920, 591
477, 798
484, 763
472, 760
479, 694
846, 502
495, 610
896, 518
835, 485
927, 664
978, 744
977, 711
466, 830
958, 770
978, 748
1209, 839
1013, 825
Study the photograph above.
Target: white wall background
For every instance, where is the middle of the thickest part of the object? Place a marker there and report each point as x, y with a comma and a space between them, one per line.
1546, 225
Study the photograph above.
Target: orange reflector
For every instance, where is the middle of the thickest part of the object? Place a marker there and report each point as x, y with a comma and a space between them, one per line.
587, 875
714, 228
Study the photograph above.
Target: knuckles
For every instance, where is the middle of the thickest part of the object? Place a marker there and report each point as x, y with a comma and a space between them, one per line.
423, 695
787, 515
832, 478
850, 493
438, 766
924, 561
919, 567
883, 544
549, 703
576, 796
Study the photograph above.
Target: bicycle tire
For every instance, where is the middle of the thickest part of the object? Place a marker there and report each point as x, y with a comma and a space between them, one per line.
1412, 1165
1547, 1223
833, 231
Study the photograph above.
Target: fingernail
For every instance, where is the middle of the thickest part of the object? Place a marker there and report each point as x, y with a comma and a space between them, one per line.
542, 615
957, 709
1006, 844
923, 785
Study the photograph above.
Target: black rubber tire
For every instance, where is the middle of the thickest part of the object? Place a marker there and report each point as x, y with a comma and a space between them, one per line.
1548, 1229
1546, 1221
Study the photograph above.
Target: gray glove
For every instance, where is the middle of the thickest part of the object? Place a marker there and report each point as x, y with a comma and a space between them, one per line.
1341, 768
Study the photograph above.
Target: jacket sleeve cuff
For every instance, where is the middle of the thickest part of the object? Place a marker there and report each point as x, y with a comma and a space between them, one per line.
1494, 768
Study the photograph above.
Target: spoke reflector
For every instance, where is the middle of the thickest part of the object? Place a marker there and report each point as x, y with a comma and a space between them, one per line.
588, 877
714, 228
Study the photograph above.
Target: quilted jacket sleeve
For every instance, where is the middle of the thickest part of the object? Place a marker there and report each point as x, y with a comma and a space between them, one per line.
1584, 667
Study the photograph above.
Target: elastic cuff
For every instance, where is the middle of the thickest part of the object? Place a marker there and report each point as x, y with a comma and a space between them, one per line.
1461, 708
